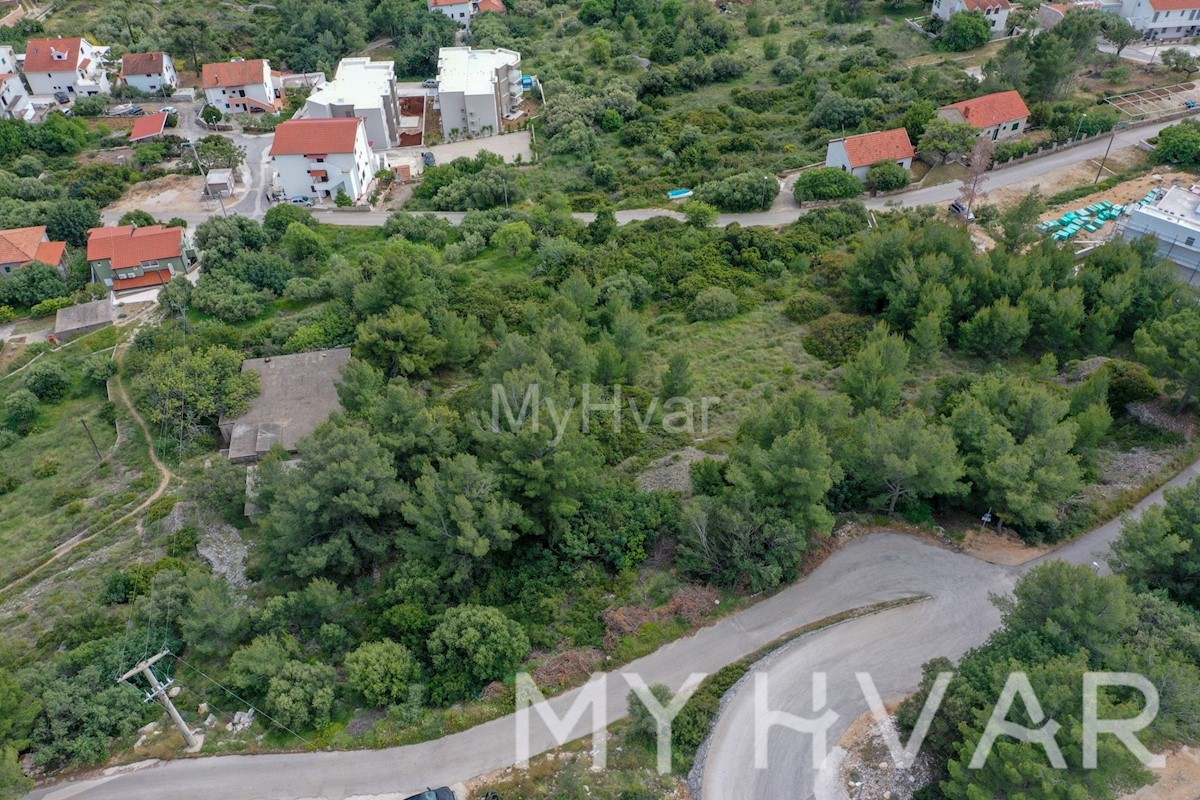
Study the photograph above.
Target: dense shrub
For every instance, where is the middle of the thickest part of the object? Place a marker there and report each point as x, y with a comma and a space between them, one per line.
47, 380
805, 306
836, 337
713, 303
1128, 382
826, 183
749, 191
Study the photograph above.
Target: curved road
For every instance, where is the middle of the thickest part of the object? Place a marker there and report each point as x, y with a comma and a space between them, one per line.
891, 645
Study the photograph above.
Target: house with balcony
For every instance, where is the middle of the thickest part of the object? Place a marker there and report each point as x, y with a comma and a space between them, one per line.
317, 157
460, 11
1161, 20
998, 116
75, 66
366, 89
20, 247
152, 73
240, 87
126, 257
857, 154
14, 97
477, 90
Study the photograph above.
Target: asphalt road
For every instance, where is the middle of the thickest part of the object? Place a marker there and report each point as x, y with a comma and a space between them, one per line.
254, 206
891, 646
954, 616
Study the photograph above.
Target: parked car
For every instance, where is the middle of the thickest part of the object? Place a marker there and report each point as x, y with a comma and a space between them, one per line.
443, 793
429, 159
959, 210
126, 110
429, 83
303, 200
172, 110
62, 98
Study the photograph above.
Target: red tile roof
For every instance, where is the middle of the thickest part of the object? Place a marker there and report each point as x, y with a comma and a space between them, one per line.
871, 148
154, 277
440, 3
6, 75
301, 137
39, 55
991, 109
981, 5
1174, 5
492, 5
23, 245
148, 126
234, 73
129, 246
142, 64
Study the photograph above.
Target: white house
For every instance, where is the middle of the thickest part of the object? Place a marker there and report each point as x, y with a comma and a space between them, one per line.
999, 116
1173, 218
857, 154
316, 157
238, 87
149, 72
460, 11
477, 89
74, 66
995, 11
14, 97
361, 88
1163, 19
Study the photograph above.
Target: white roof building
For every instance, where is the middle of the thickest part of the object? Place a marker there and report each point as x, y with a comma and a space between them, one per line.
1173, 217
361, 88
477, 89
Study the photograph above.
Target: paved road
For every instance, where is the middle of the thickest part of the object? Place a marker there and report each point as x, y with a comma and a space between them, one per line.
891, 646
254, 206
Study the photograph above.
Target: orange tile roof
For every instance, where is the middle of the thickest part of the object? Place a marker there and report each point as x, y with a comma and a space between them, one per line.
6, 75
233, 73
23, 245
148, 126
980, 5
39, 55
1174, 5
154, 277
128, 246
142, 64
492, 5
301, 137
871, 148
991, 109
440, 3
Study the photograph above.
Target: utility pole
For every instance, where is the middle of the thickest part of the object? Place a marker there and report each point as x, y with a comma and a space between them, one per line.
83, 422
158, 691
204, 175
1105, 159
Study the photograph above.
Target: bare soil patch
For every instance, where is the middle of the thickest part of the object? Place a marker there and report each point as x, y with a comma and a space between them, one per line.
1179, 780
868, 773
1081, 174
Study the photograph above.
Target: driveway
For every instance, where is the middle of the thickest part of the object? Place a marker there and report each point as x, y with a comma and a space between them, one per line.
892, 645
508, 146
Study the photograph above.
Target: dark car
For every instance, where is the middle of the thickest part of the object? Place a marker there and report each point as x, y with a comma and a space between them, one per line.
429, 159
443, 793
960, 210
62, 98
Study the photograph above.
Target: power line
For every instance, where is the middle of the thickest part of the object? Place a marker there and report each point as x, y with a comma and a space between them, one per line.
234, 695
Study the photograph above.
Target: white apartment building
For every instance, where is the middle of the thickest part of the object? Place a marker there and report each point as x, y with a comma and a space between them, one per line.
1173, 218
995, 11
316, 157
460, 11
477, 89
1162, 19
14, 97
149, 72
361, 88
74, 66
238, 87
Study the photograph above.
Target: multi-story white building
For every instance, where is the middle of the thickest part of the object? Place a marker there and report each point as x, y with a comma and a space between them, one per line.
14, 97
995, 11
1173, 218
238, 87
149, 72
1161, 19
361, 88
460, 11
74, 66
477, 89
317, 157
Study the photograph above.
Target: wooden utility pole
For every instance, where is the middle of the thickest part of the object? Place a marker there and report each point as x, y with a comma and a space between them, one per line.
158, 691
83, 422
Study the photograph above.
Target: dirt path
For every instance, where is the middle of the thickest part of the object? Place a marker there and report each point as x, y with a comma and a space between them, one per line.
164, 481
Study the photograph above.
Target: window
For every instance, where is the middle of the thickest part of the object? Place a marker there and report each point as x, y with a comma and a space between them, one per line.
149, 265
1189, 241
1155, 17
1016, 126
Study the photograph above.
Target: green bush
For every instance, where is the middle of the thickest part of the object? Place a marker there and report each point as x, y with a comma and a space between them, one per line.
8, 438
697, 716
826, 183
887, 176
8, 482
836, 337
46, 468
748, 191
51, 306
161, 508
183, 542
1128, 382
805, 306
713, 303
48, 381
